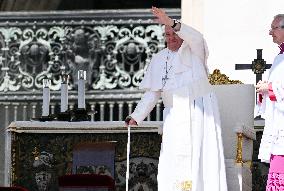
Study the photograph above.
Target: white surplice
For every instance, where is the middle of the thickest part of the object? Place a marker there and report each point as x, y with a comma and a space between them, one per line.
191, 150
272, 141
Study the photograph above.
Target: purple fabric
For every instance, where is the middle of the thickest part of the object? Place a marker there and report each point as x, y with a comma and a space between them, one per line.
94, 158
94, 154
281, 48
92, 182
276, 164
275, 181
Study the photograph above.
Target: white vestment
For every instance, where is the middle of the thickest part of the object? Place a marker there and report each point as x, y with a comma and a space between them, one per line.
191, 149
272, 141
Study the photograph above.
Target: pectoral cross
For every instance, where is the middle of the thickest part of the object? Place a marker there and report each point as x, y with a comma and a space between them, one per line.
164, 80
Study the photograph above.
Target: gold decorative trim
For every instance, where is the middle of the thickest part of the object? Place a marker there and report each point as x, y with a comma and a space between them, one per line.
217, 78
36, 153
185, 185
239, 157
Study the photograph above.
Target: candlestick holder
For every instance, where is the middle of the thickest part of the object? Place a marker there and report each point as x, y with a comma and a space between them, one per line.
45, 118
64, 116
81, 114
50, 117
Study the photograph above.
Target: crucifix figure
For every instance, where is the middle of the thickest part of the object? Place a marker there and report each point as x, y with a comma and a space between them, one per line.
258, 66
167, 70
164, 80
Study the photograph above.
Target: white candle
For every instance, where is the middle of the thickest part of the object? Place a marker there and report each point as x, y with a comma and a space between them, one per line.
64, 97
81, 89
45, 97
64, 94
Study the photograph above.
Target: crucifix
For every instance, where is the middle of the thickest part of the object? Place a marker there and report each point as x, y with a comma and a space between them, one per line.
258, 66
164, 80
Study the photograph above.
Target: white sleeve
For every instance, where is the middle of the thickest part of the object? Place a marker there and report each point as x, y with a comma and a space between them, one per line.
278, 90
152, 80
195, 41
145, 105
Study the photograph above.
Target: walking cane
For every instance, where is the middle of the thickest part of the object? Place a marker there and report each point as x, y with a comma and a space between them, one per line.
128, 153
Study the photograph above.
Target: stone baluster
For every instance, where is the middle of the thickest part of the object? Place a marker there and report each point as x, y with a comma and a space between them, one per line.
15, 110
130, 105
7, 121
93, 105
33, 105
120, 110
52, 108
158, 113
71, 106
149, 117
24, 111
111, 105
102, 110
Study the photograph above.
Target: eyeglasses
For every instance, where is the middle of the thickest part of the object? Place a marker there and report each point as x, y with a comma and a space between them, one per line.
275, 28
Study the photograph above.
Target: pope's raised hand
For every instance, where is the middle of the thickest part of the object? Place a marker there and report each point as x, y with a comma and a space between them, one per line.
162, 17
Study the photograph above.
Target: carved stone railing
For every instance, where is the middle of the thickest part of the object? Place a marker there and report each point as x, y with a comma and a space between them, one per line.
112, 105
114, 47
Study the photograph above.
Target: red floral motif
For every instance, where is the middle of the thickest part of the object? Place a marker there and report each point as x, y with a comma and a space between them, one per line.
275, 182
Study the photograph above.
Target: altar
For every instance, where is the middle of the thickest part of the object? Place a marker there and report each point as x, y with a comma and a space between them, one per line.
50, 146
38, 153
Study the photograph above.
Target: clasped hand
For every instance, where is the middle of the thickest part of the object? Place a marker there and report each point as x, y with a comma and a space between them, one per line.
262, 87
